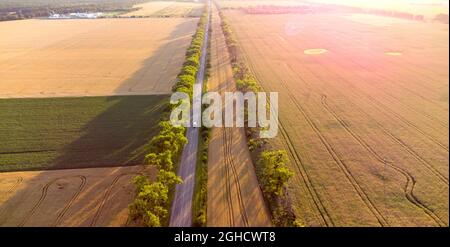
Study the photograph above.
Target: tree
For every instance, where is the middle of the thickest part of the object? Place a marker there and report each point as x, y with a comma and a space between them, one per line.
275, 173
189, 70
151, 220
168, 178
160, 160
150, 203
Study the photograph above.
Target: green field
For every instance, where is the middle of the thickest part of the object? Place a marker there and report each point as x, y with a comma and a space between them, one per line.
60, 133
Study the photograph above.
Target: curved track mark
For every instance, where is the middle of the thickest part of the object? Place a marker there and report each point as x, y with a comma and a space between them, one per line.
44, 195
72, 200
410, 181
107, 195
13, 187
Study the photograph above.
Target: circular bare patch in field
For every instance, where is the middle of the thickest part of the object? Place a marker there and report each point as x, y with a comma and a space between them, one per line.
315, 51
394, 53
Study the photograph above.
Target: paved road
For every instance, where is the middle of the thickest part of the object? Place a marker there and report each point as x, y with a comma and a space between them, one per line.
181, 215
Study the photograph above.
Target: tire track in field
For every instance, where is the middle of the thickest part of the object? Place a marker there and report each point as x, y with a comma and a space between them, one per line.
19, 180
324, 215
413, 153
410, 180
44, 195
72, 200
225, 170
228, 156
297, 75
228, 141
390, 134
107, 195
394, 138
341, 164
298, 163
229, 163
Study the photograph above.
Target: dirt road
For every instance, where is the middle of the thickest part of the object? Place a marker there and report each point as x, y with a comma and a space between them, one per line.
181, 215
234, 196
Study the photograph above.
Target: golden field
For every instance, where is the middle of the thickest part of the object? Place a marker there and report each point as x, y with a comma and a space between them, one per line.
167, 9
53, 58
363, 114
75, 197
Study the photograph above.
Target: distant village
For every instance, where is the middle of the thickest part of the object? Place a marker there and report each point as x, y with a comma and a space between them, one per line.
76, 16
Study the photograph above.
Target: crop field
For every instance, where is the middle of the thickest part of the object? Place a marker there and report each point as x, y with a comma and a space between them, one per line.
363, 113
103, 57
61, 133
167, 9
234, 196
75, 197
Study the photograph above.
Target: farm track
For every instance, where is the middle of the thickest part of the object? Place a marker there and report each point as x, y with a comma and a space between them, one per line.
234, 194
44, 195
229, 164
227, 139
410, 180
228, 142
228, 189
107, 195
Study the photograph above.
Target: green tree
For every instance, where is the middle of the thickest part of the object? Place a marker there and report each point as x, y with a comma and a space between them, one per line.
160, 160
168, 178
275, 173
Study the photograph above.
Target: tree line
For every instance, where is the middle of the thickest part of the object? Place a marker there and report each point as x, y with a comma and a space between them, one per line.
152, 199
14, 10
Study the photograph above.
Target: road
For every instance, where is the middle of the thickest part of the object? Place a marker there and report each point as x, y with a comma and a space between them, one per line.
181, 215
234, 196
